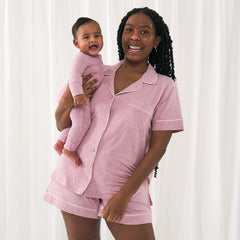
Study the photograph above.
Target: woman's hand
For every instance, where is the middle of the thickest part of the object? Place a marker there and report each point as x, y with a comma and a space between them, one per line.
88, 88
116, 207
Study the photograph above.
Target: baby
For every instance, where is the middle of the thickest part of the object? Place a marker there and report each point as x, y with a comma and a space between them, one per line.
88, 38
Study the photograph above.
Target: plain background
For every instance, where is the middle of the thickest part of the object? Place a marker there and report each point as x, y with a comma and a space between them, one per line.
196, 194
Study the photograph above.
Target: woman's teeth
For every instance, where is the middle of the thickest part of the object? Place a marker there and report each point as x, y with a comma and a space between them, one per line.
135, 48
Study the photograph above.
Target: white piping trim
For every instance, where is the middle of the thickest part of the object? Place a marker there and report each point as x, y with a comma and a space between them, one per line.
133, 215
71, 203
156, 76
101, 138
93, 210
168, 120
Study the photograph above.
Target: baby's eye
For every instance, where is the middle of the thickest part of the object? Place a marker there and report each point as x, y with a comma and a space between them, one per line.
86, 37
97, 35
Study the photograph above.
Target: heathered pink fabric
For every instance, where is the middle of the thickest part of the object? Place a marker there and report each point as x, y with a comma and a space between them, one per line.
119, 134
81, 116
80, 205
83, 65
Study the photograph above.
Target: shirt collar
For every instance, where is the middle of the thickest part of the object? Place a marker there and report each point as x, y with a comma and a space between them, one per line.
149, 77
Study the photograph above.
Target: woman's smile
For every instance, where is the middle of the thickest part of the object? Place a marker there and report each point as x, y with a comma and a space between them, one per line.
133, 49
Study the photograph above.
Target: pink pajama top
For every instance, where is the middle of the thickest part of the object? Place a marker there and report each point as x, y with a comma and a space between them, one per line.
119, 134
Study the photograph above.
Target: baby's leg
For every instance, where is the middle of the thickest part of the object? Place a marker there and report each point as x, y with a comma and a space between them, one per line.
81, 119
61, 141
72, 156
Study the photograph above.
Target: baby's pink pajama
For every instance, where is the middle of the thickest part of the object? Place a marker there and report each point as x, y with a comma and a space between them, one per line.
81, 115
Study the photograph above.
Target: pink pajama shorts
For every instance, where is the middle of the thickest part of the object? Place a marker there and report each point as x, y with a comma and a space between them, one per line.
80, 205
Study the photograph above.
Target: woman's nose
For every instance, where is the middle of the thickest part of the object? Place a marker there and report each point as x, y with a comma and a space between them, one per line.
135, 35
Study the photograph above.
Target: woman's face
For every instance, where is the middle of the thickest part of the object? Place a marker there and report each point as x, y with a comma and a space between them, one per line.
139, 37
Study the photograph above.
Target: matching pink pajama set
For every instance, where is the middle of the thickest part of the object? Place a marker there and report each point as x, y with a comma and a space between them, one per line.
115, 143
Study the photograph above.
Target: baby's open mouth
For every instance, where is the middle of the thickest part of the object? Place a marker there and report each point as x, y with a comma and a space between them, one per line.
94, 47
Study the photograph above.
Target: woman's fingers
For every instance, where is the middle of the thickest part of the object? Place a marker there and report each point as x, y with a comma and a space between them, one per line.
86, 78
88, 88
90, 91
90, 84
110, 216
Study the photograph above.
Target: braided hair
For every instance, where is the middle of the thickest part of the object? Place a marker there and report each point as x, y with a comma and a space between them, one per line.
160, 58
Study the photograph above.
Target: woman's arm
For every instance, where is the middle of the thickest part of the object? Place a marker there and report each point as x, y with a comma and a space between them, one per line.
116, 206
62, 113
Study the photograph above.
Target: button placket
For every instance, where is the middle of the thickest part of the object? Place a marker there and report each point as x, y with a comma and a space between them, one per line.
99, 140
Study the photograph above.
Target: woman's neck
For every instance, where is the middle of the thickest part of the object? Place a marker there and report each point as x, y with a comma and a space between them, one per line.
137, 67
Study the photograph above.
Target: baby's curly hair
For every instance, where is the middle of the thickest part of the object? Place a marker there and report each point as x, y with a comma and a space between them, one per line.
161, 58
80, 21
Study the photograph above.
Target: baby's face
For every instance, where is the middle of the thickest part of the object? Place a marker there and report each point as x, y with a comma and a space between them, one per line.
89, 38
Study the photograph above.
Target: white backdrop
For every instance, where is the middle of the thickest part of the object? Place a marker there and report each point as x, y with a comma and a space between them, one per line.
197, 192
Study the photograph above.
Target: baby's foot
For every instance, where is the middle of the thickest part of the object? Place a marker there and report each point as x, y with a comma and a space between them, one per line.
72, 156
59, 147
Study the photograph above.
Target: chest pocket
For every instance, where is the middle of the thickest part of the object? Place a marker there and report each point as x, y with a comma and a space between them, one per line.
132, 116
141, 109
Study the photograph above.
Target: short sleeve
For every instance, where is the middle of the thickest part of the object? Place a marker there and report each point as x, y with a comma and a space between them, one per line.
167, 114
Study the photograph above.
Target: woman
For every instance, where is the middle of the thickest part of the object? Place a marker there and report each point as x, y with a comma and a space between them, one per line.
134, 113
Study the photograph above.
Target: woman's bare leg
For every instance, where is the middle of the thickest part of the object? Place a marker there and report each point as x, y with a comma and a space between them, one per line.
80, 228
131, 232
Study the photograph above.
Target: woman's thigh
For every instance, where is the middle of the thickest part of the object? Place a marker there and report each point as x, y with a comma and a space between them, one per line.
131, 232
81, 228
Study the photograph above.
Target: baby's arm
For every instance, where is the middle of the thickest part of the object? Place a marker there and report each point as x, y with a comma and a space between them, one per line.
79, 64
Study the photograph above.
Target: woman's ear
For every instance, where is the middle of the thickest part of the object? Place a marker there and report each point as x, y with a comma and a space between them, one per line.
157, 41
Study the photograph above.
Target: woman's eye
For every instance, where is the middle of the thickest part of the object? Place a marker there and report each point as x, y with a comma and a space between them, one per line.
128, 30
87, 37
144, 32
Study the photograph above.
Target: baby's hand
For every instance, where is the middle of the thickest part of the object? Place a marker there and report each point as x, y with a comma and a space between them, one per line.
80, 100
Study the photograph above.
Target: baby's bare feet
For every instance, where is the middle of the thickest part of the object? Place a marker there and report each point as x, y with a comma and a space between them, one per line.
72, 156
59, 147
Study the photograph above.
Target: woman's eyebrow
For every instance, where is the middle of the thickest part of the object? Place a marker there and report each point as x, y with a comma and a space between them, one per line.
143, 26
